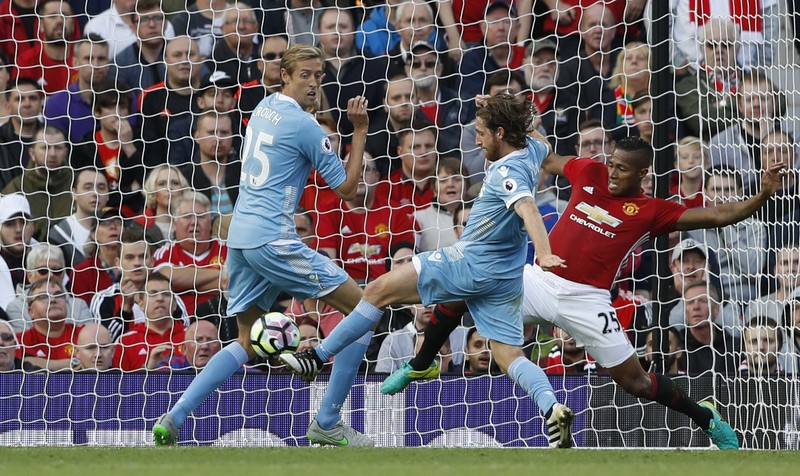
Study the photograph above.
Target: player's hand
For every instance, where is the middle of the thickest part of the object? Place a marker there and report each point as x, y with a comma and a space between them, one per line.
480, 100
548, 262
357, 112
773, 178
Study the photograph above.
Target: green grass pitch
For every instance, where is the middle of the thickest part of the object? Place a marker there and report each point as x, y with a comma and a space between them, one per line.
384, 461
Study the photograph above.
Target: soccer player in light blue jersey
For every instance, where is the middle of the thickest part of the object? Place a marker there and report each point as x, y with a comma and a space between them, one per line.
265, 255
483, 270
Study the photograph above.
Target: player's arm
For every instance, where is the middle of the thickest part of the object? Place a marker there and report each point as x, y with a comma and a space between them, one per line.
727, 213
357, 113
553, 163
529, 212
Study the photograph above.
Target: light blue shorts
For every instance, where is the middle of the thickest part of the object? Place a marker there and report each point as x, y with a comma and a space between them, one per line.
495, 304
258, 275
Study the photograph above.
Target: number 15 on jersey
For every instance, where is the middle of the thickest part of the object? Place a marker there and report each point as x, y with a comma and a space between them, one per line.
256, 155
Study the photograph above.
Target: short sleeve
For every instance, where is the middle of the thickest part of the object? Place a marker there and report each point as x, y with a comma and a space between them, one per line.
517, 183
666, 215
319, 150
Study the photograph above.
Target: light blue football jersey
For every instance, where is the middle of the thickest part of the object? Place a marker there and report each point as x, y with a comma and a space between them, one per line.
281, 144
494, 240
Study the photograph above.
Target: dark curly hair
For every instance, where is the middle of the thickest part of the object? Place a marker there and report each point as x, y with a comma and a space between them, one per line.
508, 112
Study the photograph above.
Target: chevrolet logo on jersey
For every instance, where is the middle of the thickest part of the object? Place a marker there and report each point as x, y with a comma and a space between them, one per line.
598, 215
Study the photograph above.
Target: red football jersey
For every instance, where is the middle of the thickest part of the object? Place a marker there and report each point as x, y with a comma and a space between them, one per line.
401, 191
172, 254
134, 346
362, 240
598, 231
34, 344
52, 75
90, 277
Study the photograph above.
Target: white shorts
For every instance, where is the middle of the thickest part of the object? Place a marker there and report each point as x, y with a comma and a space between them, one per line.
584, 311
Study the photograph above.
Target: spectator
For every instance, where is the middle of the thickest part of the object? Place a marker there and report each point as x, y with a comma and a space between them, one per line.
99, 270
217, 93
201, 21
237, 52
117, 26
347, 73
790, 321
49, 61
47, 180
193, 260
705, 102
708, 346
296, 19
496, 52
411, 185
94, 348
360, 232
391, 29
762, 341
141, 65
479, 356
115, 148
158, 340
675, 360
304, 225
740, 248
440, 104
216, 170
47, 344
566, 357
15, 237
25, 101
594, 141
785, 277
758, 20
72, 110
591, 69
118, 306
5, 77
466, 17
168, 107
738, 146
400, 252
202, 342
687, 180
19, 27
643, 115
250, 94
44, 261
8, 351
556, 107
630, 78
692, 262
782, 212
435, 222
501, 82
310, 334
392, 118
215, 310
164, 185
398, 346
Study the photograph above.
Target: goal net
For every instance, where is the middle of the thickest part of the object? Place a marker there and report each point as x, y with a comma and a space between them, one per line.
125, 133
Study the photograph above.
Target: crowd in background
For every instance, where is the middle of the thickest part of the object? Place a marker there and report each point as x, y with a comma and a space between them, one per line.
122, 124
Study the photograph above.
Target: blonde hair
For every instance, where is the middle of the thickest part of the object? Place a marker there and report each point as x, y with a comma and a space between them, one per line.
297, 53
618, 75
149, 185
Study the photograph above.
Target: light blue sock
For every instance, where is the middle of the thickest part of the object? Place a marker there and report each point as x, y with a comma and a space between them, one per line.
355, 325
345, 368
217, 370
534, 381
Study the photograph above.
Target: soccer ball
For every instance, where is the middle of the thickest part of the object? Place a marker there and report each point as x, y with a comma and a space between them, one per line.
274, 333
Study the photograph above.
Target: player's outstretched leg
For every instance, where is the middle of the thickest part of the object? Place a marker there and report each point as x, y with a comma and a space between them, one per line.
423, 366
533, 380
219, 368
660, 388
307, 364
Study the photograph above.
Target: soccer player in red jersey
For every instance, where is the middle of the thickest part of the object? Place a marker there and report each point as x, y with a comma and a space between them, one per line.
607, 217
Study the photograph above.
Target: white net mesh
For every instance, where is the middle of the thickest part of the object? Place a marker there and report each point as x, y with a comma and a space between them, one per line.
123, 134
